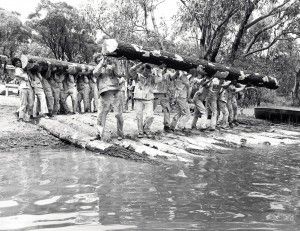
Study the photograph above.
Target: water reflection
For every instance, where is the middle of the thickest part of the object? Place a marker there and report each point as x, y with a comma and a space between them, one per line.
242, 190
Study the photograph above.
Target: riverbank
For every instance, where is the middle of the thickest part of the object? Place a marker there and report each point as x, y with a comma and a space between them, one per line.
21, 135
80, 131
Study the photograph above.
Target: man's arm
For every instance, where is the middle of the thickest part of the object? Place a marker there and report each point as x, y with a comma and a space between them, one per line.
240, 88
133, 70
21, 74
98, 69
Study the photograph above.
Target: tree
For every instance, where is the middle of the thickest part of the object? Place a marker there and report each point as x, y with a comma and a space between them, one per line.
60, 27
12, 33
250, 25
127, 21
208, 22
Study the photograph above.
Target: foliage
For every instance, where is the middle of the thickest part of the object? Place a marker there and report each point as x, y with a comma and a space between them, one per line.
127, 21
12, 33
60, 27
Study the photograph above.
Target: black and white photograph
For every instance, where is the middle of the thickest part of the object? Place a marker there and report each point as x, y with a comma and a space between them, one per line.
149, 115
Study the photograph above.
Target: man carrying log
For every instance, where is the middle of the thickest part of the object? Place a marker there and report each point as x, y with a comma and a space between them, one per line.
199, 99
109, 94
144, 96
165, 91
233, 89
46, 75
182, 95
222, 104
211, 102
93, 91
26, 93
83, 88
36, 83
70, 89
54, 82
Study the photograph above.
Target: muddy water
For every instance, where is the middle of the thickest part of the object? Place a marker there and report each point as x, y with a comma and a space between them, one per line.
71, 189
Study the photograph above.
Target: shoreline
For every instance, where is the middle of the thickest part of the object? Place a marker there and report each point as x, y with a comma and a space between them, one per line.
79, 130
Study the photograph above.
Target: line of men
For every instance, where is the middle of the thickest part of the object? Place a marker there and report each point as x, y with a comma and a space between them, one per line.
103, 88
52, 85
171, 89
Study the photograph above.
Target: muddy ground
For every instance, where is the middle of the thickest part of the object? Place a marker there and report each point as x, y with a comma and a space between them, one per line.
19, 135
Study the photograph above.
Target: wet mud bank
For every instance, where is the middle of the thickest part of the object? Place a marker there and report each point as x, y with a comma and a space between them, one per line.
21, 135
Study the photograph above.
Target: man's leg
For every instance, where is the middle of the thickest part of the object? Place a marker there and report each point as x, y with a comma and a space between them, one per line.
149, 115
139, 108
195, 119
212, 104
94, 95
235, 110
96, 98
73, 94
166, 108
50, 101
63, 102
176, 116
56, 97
127, 100
104, 107
30, 99
224, 110
23, 103
230, 113
200, 112
132, 101
42, 99
86, 98
184, 113
118, 109
79, 99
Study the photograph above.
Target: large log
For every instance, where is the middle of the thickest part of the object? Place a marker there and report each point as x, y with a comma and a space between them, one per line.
54, 62
111, 47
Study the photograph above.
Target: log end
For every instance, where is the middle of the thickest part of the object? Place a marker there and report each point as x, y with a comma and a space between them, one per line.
109, 46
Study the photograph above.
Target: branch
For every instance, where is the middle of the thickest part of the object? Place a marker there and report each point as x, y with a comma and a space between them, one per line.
193, 13
158, 3
103, 30
253, 40
263, 48
273, 11
225, 21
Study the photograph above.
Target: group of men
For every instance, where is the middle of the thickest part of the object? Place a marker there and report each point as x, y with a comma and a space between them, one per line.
103, 88
52, 85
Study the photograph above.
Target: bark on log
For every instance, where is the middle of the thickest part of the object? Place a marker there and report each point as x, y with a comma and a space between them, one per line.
111, 47
54, 62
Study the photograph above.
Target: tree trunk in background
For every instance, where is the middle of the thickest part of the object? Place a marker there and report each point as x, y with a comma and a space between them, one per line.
156, 30
133, 52
238, 38
296, 90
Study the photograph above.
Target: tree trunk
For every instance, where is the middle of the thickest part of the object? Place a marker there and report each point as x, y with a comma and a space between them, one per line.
111, 47
156, 30
296, 90
240, 33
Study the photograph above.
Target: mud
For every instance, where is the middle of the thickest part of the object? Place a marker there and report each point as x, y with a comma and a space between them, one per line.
21, 135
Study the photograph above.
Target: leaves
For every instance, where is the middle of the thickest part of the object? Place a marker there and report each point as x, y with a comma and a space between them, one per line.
60, 27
